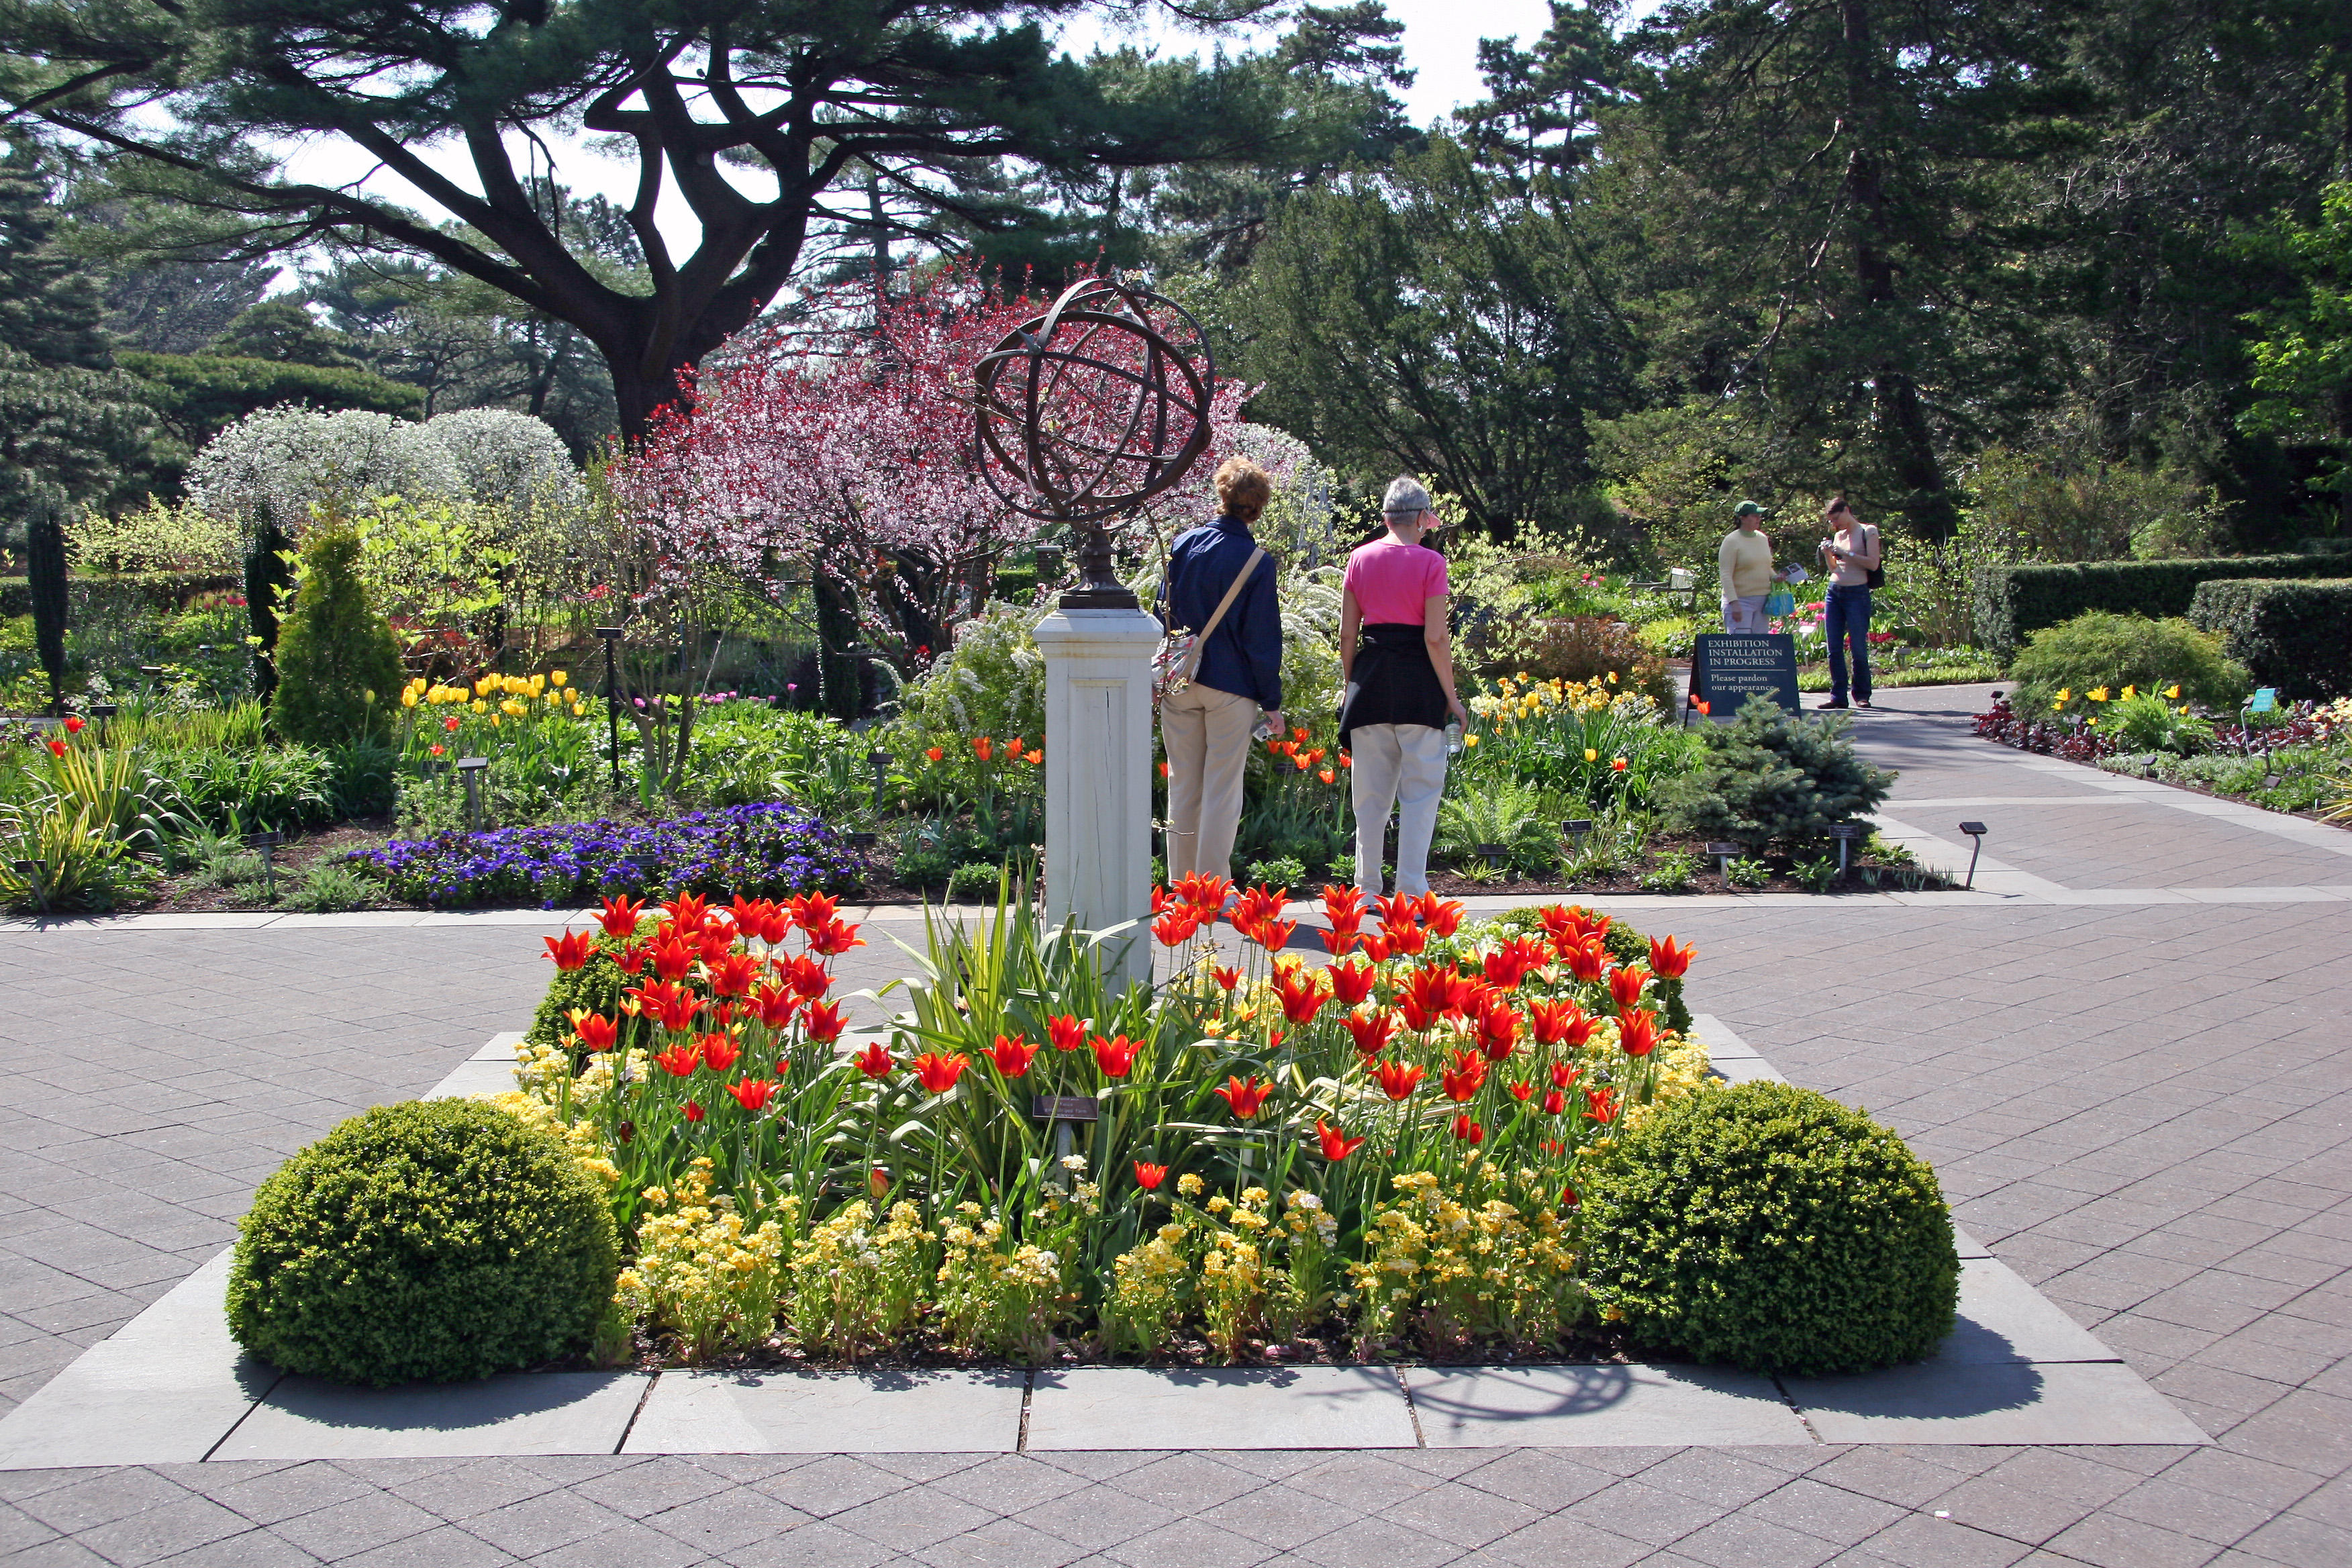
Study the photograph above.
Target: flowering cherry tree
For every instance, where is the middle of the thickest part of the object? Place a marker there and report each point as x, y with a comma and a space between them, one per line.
844, 448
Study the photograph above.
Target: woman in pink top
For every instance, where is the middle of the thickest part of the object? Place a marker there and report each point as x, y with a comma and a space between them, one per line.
1397, 667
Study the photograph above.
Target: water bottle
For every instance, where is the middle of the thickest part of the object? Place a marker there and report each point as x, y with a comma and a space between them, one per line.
1453, 737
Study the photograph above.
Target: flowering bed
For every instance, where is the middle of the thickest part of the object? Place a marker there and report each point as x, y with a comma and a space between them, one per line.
758, 849
1380, 1150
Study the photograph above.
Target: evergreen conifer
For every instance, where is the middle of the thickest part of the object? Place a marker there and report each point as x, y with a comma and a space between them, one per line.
339, 671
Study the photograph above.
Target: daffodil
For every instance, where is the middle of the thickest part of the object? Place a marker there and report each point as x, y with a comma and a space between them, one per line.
2097, 694
2173, 691
2130, 692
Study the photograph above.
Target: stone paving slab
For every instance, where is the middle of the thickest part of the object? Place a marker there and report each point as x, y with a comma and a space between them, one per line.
2003, 1319
1599, 1407
915, 1412
162, 1391
2098, 1403
1118, 1408
519, 1412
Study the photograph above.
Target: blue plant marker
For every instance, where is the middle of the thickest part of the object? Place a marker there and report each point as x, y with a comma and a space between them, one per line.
2265, 700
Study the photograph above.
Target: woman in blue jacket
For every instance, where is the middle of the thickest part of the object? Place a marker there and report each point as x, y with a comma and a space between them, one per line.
1207, 725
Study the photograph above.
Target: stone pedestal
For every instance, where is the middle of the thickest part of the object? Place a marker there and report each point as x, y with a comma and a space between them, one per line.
1099, 775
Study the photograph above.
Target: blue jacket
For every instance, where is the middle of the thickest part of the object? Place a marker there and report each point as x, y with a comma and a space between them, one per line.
1243, 656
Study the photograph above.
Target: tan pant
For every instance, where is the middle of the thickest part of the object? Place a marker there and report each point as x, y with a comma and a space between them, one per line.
1400, 768
1208, 736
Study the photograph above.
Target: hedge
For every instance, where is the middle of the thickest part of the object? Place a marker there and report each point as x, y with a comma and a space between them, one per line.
164, 590
2296, 635
2012, 603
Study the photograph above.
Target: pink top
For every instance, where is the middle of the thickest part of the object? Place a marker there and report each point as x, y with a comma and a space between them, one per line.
1393, 583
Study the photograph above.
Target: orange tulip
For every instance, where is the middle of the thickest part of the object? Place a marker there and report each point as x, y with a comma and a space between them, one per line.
1149, 1177
572, 950
939, 1073
752, 1094
1245, 1098
1396, 1080
593, 1030
1337, 1145
1012, 1056
1670, 960
620, 916
874, 1061
680, 1060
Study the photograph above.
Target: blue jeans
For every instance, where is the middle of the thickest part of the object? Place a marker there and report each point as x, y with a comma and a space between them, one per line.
1848, 615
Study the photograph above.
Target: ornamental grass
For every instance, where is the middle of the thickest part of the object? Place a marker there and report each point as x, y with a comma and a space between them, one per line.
1381, 1149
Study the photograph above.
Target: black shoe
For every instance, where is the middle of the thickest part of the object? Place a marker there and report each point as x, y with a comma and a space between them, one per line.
1834, 703
1862, 701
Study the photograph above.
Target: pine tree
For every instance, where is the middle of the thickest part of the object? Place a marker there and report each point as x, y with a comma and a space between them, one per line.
339, 668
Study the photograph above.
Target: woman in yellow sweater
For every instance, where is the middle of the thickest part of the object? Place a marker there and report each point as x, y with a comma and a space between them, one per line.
1745, 565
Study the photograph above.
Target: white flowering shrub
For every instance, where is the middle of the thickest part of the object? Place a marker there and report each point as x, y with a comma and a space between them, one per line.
155, 538
507, 457
275, 464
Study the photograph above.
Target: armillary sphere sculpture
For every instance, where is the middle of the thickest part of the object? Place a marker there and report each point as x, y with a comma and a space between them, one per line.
1092, 409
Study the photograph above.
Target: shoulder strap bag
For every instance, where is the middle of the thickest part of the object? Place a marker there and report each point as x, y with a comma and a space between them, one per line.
1877, 576
1179, 658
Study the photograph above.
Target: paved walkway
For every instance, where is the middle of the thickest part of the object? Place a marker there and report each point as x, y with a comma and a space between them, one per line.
2141, 1106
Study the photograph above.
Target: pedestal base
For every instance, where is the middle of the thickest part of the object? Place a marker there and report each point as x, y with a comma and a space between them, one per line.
1099, 776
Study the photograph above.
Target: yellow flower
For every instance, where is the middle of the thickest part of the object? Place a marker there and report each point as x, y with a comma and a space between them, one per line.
2097, 694
408, 697
1469, 739
1613, 678
497, 722
2130, 692
558, 677
538, 684
2173, 691
1591, 755
512, 707
480, 706
487, 685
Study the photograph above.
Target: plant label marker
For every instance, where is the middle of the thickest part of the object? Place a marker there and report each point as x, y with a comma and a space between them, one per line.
1065, 1108
1724, 854
1846, 833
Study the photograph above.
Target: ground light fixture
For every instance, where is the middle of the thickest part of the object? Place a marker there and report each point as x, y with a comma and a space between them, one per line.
1976, 832
612, 635
31, 871
1724, 854
1495, 855
267, 843
471, 769
880, 762
1846, 833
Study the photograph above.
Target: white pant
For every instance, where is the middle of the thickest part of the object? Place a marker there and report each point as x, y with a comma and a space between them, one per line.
1746, 615
1207, 733
1400, 766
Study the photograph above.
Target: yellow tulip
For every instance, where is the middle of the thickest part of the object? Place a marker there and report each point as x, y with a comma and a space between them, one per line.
2097, 694
479, 706
497, 722
1469, 739
2130, 692
559, 677
408, 697
2173, 691
513, 706
1591, 755
538, 684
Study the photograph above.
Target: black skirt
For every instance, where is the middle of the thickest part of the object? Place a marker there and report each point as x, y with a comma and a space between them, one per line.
1393, 682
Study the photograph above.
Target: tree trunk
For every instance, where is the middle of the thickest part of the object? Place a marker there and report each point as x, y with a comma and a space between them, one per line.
841, 681
44, 574
1906, 445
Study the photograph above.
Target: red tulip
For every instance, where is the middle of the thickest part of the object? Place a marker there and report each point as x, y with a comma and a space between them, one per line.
831, 937
1226, 979
572, 950
1396, 1080
1203, 895
1570, 926
57, 748
1602, 1104
1114, 1056
1012, 1056
983, 747
670, 1005
1587, 960
1340, 941
1407, 940
809, 909
1245, 1098
1670, 960
1375, 948
1637, 1033
673, 959
731, 975
752, 1094
874, 1061
1343, 906
1548, 1020
1337, 1145
1626, 986
1464, 1078
1565, 1074
934, 754
1149, 1177
693, 1110
1350, 983
73, 723
824, 1021
1522, 1090
681, 1059
593, 1030
1301, 997
939, 1073
1568, 1194
805, 975
773, 1005
1417, 1018
1441, 916
1469, 1131
1617, 764
716, 941
1554, 1103
1272, 935
1371, 1030
632, 959
688, 912
1498, 1032
1176, 927
720, 1051
1066, 1033
450, 723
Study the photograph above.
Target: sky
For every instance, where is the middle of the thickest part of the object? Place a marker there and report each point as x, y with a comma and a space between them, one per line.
1440, 44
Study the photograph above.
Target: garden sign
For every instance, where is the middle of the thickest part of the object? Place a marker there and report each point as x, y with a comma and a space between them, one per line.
1729, 668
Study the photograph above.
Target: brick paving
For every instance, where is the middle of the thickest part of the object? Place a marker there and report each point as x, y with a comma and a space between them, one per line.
2143, 1109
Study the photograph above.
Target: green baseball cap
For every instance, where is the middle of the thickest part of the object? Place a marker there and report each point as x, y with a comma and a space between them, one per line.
1750, 508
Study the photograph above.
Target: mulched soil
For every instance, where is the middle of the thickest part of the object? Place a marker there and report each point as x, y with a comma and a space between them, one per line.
179, 895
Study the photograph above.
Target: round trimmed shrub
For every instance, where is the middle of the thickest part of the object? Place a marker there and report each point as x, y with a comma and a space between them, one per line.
1769, 1226
433, 1240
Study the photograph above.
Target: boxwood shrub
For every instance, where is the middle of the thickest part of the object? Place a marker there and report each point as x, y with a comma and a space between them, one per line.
1769, 1226
2098, 649
2296, 635
2012, 603
430, 1241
